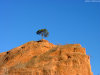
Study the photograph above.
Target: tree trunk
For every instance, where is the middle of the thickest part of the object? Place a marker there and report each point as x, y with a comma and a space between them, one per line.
42, 36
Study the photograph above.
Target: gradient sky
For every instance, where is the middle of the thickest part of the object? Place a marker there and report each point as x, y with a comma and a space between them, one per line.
68, 22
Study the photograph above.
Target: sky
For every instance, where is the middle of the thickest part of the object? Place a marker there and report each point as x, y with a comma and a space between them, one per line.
68, 22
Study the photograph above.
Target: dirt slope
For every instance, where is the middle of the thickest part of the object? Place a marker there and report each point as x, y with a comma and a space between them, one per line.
44, 58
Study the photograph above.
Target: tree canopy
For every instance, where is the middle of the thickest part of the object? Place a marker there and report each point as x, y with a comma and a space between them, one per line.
43, 32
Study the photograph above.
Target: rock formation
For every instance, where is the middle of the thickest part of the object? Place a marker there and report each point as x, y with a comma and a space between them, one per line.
44, 58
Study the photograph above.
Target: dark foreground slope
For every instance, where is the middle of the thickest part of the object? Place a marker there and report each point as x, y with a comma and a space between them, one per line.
44, 58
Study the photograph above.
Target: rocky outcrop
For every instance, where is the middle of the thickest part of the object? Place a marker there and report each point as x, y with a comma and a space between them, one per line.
44, 58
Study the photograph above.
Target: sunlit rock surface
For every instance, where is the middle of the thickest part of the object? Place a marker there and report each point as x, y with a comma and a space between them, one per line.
44, 58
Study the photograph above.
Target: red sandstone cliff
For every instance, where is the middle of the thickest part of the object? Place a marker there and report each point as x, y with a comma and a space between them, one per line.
44, 58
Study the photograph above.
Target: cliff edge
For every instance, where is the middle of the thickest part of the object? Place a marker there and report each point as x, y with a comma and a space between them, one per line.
44, 58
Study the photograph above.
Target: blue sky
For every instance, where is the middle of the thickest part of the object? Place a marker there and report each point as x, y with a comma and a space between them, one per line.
68, 22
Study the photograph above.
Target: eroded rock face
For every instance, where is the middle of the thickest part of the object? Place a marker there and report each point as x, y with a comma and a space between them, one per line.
44, 58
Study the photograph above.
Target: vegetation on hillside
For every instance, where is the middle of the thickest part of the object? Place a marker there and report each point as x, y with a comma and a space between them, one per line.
43, 33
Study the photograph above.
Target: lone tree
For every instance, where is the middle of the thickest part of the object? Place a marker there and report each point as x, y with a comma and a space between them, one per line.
43, 32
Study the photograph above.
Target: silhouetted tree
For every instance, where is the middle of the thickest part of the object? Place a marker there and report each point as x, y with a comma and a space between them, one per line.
43, 32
